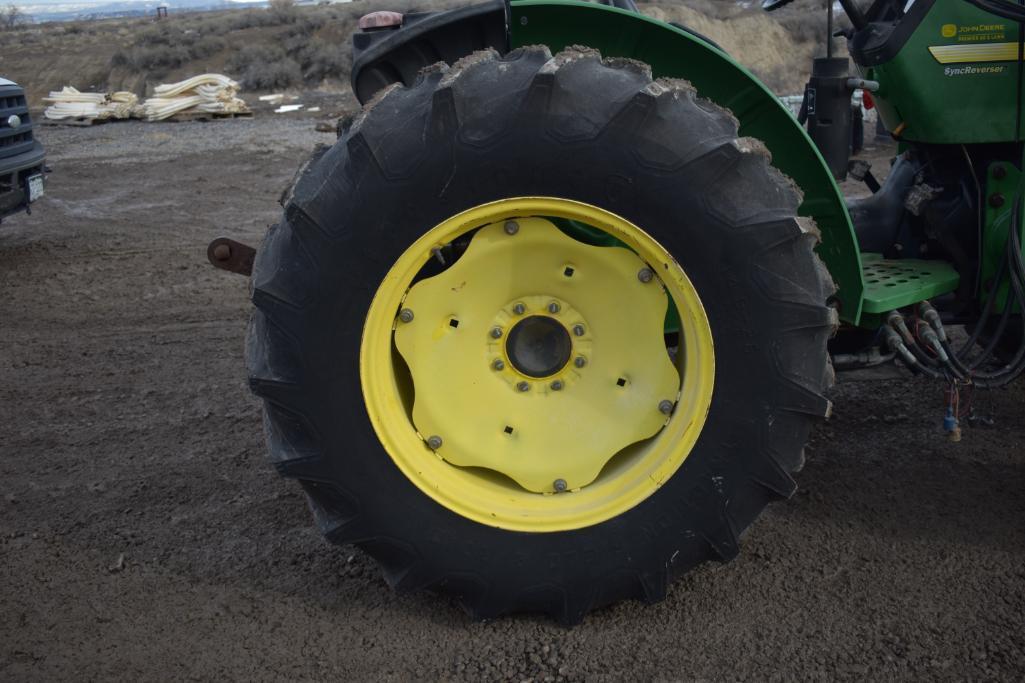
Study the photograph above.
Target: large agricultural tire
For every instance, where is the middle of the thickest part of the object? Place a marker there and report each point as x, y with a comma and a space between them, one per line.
591, 133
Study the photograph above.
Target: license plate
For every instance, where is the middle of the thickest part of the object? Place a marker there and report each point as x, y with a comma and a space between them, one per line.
35, 187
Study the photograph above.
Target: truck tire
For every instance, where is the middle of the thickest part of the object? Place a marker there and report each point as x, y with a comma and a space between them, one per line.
459, 334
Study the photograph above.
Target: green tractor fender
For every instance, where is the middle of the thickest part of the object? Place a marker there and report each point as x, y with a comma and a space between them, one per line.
672, 52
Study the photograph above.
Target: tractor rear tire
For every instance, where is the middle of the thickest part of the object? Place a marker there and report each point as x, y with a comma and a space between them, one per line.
588, 130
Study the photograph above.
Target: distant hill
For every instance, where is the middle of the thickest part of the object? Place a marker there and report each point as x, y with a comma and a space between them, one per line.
39, 11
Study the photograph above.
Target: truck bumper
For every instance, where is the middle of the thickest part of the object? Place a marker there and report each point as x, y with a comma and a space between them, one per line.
14, 174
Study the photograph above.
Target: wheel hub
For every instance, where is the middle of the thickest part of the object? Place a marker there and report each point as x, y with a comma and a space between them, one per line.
539, 346
570, 370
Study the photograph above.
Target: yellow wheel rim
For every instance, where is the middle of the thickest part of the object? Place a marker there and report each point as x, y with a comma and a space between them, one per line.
528, 386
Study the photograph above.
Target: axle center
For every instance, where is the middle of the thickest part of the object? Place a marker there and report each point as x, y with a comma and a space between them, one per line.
538, 346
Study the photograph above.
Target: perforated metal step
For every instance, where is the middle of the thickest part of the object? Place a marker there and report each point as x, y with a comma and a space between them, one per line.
894, 283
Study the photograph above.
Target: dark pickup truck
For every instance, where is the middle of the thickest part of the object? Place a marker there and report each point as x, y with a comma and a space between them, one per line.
21, 155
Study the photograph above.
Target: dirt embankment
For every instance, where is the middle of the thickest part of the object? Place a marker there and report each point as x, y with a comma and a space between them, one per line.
778, 48
307, 48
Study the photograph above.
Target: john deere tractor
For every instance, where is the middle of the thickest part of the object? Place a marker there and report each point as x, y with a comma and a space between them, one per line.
551, 321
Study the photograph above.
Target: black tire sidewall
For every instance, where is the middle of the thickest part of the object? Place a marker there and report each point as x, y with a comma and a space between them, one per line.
394, 213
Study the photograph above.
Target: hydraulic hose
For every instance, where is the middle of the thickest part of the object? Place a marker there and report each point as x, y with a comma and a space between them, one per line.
943, 361
1016, 279
896, 321
987, 308
905, 353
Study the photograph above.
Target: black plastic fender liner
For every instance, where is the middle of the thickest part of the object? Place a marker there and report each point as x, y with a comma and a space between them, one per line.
385, 56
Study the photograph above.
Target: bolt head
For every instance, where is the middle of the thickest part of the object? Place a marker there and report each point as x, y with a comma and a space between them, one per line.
511, 227
498, 364
406, 315
434, 442
554, 307
996, 200
523, 386
519, 309
580, 361
645, 275
496, 332
559, 485
557, 385
222, 252
579, 330
999, 171
523, 21
665, 407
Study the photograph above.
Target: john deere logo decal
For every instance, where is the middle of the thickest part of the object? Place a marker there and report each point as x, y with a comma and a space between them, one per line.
974, 33
974, 44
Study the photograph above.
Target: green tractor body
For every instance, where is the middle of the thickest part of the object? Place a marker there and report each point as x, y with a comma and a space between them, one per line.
947, 73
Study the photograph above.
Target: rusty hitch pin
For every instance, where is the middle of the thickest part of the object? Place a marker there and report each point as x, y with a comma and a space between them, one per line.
232, 256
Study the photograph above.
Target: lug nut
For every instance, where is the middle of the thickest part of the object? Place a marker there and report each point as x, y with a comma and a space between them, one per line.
523, 386
498, 364
496, 332
645, 275
665, 407
557, 385
434, 442
519, 309
406, 315
554, 307
580, 361
559, 485
511, 227
578, 330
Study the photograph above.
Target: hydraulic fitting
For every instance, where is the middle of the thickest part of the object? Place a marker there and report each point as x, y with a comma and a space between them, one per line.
930, 316
930, 338
896, 321
894, 342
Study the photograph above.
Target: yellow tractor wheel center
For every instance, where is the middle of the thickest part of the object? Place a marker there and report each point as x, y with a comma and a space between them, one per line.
528, 385
497, 389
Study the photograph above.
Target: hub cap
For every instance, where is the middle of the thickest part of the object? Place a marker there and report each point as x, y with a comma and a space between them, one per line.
539, 346
528, 385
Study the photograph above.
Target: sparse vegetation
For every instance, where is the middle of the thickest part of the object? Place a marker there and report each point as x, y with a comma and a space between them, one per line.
263, 67
167, 47
285, 46
290, 54
284, 10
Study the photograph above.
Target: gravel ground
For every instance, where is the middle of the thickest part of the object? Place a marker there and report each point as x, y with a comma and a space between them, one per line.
144, 536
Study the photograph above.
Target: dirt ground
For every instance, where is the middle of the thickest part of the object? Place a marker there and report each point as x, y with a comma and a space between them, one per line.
144, 536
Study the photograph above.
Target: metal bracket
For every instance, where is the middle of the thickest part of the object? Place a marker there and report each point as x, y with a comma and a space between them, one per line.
232, 256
